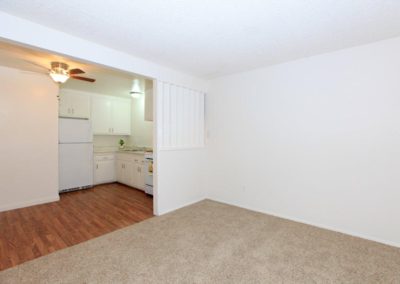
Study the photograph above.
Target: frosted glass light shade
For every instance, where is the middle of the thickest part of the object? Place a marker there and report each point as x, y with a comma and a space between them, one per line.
59, 77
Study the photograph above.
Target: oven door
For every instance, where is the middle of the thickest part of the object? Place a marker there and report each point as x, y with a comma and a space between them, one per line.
149, 172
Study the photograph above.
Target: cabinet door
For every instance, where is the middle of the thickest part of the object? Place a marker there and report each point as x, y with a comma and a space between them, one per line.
104, 171
140, 177
101, 115
142, 173
135, 177
120, 171
121, 117
138, 174
128, 173
64, 105
80, 105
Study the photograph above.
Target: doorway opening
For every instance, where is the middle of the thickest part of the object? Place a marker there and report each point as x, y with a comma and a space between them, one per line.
105, 147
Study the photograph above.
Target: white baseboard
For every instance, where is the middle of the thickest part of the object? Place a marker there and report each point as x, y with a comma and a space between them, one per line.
28, 203
299, 220
181, 206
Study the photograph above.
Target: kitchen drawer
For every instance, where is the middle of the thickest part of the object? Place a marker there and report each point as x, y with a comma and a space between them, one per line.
124, 157
104, 157
138, 160
130, 157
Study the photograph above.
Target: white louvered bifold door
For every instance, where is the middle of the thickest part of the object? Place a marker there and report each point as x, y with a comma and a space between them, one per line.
180, 117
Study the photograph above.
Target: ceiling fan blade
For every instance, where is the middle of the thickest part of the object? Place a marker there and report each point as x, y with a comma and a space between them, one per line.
83, 78
76, 71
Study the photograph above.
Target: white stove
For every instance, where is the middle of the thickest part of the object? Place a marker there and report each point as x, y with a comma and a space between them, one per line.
148, 159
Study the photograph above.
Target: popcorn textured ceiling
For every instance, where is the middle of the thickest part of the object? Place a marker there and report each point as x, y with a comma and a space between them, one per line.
209, 38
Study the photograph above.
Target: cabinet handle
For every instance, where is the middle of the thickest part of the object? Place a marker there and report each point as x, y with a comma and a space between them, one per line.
97, 166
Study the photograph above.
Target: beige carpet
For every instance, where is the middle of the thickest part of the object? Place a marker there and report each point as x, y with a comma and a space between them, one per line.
210, 242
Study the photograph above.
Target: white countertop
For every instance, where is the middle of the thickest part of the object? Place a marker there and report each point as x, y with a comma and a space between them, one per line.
113, 150
104, 150
96, 152
131, 152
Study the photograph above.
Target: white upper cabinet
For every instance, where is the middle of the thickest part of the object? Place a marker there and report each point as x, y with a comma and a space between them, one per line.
101, 115
121, 116
74, 104
111, 115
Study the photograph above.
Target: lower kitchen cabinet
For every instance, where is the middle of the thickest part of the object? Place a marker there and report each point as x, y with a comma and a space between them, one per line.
130, 170
124, 172
104, 168
138, 173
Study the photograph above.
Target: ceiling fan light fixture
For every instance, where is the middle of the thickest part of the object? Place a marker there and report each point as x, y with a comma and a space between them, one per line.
59, 77
59, 72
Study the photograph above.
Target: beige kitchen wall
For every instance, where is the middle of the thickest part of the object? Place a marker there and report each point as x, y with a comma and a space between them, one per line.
29, 139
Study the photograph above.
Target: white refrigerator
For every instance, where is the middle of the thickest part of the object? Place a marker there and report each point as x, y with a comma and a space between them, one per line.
75, 154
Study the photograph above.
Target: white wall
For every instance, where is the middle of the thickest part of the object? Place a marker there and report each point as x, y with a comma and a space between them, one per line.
29, 139
179, 130
31, 34
182, 174
315, 140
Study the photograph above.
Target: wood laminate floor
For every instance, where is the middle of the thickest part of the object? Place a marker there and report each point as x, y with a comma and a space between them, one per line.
31, 232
